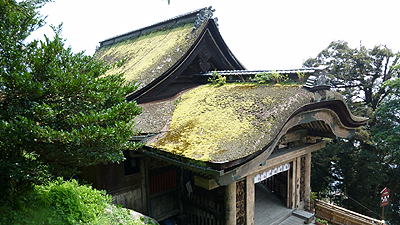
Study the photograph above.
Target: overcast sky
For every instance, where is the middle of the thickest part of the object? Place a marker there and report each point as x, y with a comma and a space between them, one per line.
262, 34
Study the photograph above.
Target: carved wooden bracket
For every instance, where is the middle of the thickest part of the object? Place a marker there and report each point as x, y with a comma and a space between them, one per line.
204, 56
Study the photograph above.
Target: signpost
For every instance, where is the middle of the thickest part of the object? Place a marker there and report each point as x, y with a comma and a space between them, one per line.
384, 199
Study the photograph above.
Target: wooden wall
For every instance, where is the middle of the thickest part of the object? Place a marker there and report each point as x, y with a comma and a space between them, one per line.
127, 190
163, 191
131, 199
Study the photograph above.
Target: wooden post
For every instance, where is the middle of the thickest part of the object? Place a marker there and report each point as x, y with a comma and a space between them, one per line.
289, 189
250, 201
307, 180
230, 203
293, 186
143, 169
298, 175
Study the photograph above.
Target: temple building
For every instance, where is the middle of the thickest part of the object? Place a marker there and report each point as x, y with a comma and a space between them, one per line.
215, 141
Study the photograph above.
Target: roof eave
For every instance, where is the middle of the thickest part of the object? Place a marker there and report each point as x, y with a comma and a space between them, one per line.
345, 128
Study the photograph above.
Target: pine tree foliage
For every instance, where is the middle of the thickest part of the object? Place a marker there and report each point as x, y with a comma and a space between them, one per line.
353, 172
358, 72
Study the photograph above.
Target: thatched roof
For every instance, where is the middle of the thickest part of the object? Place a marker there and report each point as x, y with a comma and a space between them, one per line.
151, 52
155, 116
208, 126
222, 124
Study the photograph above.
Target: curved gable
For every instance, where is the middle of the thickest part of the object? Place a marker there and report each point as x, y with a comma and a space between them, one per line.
162, 58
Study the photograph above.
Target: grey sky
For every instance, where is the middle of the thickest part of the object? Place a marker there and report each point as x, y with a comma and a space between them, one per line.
262, 34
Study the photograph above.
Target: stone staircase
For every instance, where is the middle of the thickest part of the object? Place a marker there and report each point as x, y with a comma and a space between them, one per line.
298, 217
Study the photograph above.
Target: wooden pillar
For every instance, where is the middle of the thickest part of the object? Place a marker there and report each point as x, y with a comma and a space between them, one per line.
250, 201
307, 180
298, 175
289, 189
293, 185
144, 172
230, 203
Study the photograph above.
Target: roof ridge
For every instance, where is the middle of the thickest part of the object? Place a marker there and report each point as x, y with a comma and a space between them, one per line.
222, 72
172, 21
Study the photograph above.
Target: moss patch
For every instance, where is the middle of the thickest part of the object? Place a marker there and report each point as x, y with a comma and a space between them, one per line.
219, 124
150, 55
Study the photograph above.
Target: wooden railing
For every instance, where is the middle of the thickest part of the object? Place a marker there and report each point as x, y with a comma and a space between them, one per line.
338, 215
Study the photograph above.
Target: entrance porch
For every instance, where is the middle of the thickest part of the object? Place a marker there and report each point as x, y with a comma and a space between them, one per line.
269, 209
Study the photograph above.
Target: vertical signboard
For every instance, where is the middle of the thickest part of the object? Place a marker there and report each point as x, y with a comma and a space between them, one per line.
384, 197
384, 200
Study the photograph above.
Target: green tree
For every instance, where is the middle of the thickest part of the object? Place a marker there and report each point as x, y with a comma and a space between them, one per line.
58, 109
386, 135
358, 73
356, 170
386, 132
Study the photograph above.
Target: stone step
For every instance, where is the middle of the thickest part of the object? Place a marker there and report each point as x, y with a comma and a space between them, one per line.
306, 216
292, 220
277, 219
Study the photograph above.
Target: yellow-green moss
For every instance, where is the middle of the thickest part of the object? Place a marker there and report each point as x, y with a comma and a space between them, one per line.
148, 56
225, 123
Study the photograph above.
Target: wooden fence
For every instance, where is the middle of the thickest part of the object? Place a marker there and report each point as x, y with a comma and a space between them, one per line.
338, 215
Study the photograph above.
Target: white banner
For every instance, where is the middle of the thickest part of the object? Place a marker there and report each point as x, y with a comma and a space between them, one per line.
264, 175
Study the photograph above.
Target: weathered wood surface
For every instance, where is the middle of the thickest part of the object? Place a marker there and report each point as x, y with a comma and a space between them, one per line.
298, 176
130, 199
338, 215
286, 156
307, 180
230, 203
250, 200
241, 202
203, 211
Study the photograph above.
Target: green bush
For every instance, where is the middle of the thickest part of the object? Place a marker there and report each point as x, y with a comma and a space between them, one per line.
217, 79
302, 77
18, 175
321, 221
271, 77
56, 202
76, 202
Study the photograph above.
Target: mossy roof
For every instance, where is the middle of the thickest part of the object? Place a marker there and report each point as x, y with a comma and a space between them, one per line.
150, 55
222, 124
155, 116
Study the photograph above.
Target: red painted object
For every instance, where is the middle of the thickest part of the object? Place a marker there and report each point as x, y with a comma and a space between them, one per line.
385, 197
163, 181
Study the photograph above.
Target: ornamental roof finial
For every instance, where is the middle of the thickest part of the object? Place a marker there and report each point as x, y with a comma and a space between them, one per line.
320, 81
203, 15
